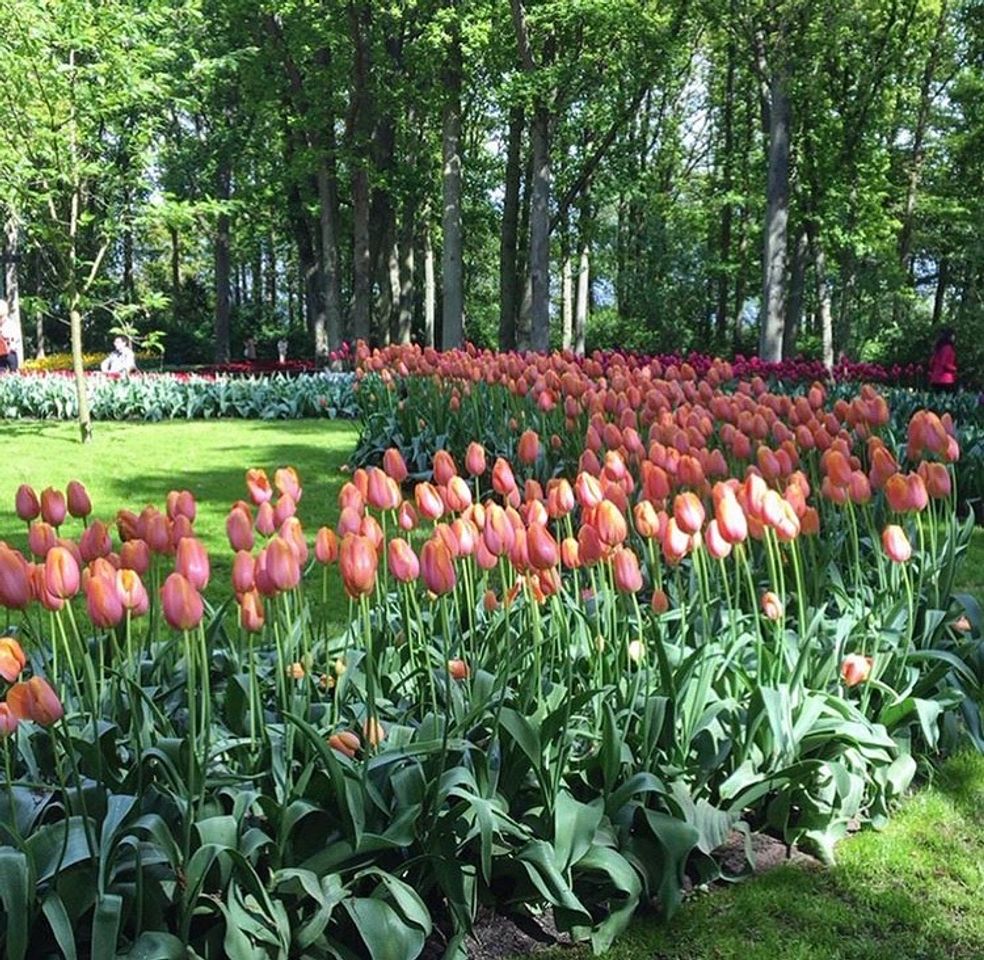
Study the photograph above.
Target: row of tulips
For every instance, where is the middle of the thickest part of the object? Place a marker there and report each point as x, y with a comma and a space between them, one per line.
559, 691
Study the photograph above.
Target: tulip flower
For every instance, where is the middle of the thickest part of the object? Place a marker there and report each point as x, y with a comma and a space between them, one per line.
458, 497
406, 516
349, 521
192, 562
394, 465
158, 535
181, 603
12, 659
688, 512
625, 566
444, 468
896, 544
53, 507
326, 546
402, 561
490, 601
15, 584
135, 555
676, 542
855, 669
288, 483
8, 721
351, 496
284, 509
258, 485
62, 576
659, 602
282, 565
610, 523
103, 603
588, 490
498, 534
528, 448
95, 541
26, 503
35, 700
239, 530
345, 742
771, 606
374, 732
383, 492
437, 567
357, 562
458, 670
265, 522
503, 481
429, 501
181, 503
41, 537
251, 613
132, 592
475, 459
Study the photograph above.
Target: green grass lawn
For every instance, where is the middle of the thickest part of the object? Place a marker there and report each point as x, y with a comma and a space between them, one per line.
911, 892
129, 465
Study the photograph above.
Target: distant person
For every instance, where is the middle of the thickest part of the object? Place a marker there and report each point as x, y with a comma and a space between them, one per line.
249, 349
282, 350
121, 360
943, 364
8, 339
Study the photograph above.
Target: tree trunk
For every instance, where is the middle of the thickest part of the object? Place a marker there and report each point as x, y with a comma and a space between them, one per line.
452, 320
939, 299
429, 287
270, 274
794, 306
408, 231
331, 282
85, 417
583, 280
776, 220
508, 272
823, 299
567, 291
540, 232
11, 286
221, 255
359, 19
522, 331
175, 271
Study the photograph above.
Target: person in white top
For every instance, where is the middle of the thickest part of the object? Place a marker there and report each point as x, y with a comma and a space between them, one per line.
8, 339
121, 360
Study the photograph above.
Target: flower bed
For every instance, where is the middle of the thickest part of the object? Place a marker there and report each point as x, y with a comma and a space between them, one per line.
170, 396
558, 691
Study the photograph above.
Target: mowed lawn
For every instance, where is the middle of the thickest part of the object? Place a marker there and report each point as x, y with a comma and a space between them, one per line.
129, 465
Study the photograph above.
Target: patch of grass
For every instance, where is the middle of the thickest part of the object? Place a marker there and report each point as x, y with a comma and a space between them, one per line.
910, 892
970, 576
129, 465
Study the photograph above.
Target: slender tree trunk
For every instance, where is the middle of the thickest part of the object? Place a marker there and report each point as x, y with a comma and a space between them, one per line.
270, 274
939, 300
727, 211
824, 300
567, 290
11, 286
540, 232
331, 281
408, 232
452, 322
776, 219
128, 292
794, 306
583, 279
523, 307
175, 271
508, 267
429, 287
221, 255
359, 17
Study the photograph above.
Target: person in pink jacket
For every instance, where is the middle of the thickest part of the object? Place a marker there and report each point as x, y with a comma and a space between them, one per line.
943, 365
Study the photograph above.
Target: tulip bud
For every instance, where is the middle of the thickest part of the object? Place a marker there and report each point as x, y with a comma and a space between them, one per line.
26, 503
688, 512
541, 548
284, 510
258, 485
444, 468
625, 566
282, 565
15, 584
192, 562
490, 601
406, 517
374, 732
357, 562
345, 742
326, 546
611, 524
855, 669
437, 567
896, 544
181, 503
239, 530
402, 561
35, 700
135, 555
458, 495
132, 592
103, 603
8, 721
429, 501
61, 573
383, 492
503, 481
53, 507
394, 465
266, 522
528, 448
660, 602
458, 669
12, 659
475, 459
95, 541
288, 483
251, 613
181, 603
771, 606
79, 504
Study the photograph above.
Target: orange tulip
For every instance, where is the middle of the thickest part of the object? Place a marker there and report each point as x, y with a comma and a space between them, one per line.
458, 670
103, 603
475, 459
181, 603
560, 499
660, 602
771, 606
158, 534
611, 524
402, 561
326, 546
357, 561
243, 572
135, 555
588, 490
383, 493
95, 541
12, 659
528, 448
541, 547
288, 483
345, 742
282, 565
437, 567
374, 732
394, 466
26, 503
79, 504
625, 566
61, 573
181, 503
284, 509
498, 534
444, 468
8, 721
266, 521
503, 481
53, 507
35, 700
855, 669
717, 546
258, 485
896, 544
429, 501
688, 512
251, 613
15, 584
676, 542
192, 562
41, 537
132, 592
589, 546
239, 530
